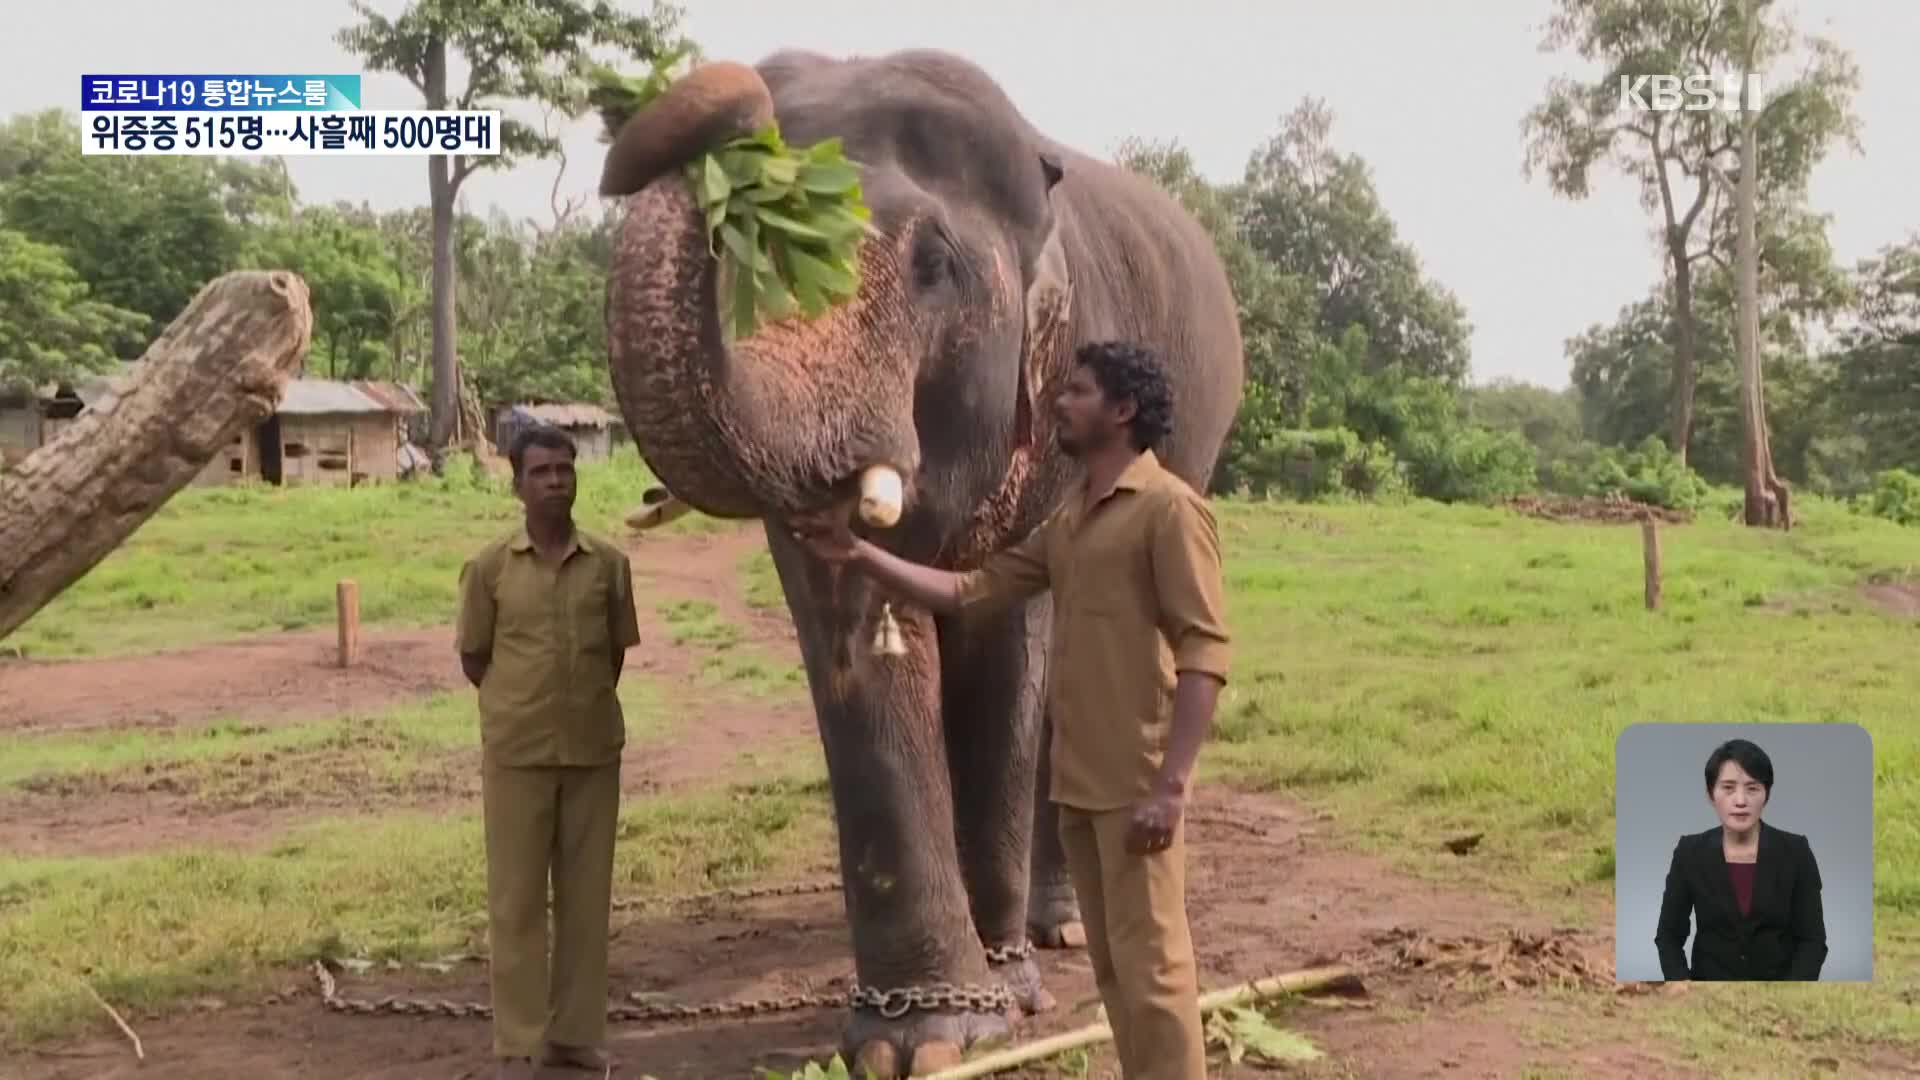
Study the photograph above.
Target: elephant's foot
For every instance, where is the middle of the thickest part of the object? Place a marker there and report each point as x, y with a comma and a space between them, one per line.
918, 1043
1053, 918
1022, 976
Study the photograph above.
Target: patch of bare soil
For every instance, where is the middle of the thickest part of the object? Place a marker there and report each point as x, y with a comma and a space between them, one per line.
1268, 893
1607, 509
286, 676
707, 566
1895, 597
174, 805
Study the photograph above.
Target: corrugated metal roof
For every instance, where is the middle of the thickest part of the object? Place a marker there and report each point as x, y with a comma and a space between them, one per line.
395, 397
579, 414
299, 396
309, 397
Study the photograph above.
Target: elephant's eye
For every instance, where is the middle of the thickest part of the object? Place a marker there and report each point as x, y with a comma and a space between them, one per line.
933, 257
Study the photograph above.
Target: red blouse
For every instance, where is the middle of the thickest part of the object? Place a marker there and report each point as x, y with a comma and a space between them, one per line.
1742, 875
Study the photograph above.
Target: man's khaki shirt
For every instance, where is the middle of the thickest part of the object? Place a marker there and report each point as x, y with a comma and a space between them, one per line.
1137, 598
552, 630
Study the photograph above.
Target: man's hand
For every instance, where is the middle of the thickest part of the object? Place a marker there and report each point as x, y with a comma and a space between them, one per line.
1154, 819
827, 533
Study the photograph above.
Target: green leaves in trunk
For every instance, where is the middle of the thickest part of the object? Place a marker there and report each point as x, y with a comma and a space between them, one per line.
618, 97
786, 222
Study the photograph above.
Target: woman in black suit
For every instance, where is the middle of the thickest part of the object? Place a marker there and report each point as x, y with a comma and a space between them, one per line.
1753, 890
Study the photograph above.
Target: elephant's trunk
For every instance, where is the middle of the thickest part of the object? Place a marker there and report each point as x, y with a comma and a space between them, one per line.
784, 419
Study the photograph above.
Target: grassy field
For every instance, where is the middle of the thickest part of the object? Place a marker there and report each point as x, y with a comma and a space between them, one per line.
233, 761
216, 562
147, 930
1418, 670
1428, 671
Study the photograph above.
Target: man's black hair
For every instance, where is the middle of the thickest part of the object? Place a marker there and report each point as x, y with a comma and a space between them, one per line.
1128, 372
1745, 754
542, 435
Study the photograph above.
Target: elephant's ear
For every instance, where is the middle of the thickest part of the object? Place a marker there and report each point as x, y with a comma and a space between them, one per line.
1049, 307
1045, 357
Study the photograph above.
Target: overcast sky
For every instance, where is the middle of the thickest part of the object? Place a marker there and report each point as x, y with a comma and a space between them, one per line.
1431, 94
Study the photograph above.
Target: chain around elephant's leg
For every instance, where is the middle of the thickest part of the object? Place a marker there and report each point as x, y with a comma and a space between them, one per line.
994, 675
914, 942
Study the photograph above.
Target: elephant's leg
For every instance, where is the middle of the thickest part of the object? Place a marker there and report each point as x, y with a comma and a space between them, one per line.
906, 905
1053, 915
993, 684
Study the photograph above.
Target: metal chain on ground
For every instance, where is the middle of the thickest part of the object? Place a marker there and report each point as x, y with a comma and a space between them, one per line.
891, 1004
639, 1010
896, 1003
744, 892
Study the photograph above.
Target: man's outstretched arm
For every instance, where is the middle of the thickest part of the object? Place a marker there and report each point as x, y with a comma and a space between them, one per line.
924, 586
1006, 576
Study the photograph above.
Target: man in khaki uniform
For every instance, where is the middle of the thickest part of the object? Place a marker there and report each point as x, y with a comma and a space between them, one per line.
546, 617
1140, 653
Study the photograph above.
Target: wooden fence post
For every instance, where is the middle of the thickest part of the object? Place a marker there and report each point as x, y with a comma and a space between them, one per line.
347, 603
1650, 553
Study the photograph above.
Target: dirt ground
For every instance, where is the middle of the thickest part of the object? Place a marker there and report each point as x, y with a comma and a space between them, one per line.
1894, 597
1271, 889
288, 678
281, 677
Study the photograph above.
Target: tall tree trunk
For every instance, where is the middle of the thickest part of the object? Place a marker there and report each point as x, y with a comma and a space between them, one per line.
446, 363
1683, 351
217, 371
1766, 502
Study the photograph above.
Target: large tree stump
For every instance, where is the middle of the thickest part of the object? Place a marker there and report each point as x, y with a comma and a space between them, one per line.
216, 371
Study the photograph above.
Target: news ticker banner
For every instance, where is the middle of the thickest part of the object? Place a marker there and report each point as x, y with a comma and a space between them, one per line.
267, 114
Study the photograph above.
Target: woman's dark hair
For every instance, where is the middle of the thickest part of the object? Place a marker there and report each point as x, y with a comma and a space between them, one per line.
1127, 372
541, 435
1744, 754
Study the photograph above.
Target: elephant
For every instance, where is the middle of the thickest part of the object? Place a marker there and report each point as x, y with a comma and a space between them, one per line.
993, 253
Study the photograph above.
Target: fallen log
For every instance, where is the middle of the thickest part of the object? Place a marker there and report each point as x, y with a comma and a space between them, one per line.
1293, 982
216, 371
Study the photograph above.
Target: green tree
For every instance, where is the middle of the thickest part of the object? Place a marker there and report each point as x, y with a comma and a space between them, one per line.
531, 319
1875, 372
528, 50
352, 280
52, 329
1684, 161
1313, 213
145, 233
1277, 310
1622, 372
1548, 419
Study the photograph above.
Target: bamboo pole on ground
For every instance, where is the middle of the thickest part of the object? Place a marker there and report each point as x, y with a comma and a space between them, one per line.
1293, 982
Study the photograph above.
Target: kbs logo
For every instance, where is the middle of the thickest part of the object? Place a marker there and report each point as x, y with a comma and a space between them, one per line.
1692, 93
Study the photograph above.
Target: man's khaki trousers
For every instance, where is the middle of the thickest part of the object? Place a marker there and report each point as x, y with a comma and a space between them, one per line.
546, 822
1135, 911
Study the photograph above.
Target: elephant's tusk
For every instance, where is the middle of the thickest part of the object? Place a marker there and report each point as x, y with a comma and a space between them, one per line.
656, 513
880, 496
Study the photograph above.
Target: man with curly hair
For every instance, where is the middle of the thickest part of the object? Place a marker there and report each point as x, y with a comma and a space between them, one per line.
1140, 654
